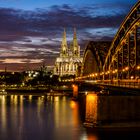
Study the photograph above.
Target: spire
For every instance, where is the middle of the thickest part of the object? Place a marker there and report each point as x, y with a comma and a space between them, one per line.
64, 47
64, 40
75, 43
75, 46
74, 35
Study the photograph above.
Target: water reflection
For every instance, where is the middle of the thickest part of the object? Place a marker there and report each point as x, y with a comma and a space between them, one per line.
21, 108
30, 98
39, 117
91, 108
74, 106
3, 113
49, 117
56, 112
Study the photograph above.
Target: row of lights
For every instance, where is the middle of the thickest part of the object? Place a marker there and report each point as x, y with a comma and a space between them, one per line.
101, 74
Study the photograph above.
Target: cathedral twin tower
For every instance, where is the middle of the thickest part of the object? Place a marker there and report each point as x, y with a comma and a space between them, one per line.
74, 47
69, 60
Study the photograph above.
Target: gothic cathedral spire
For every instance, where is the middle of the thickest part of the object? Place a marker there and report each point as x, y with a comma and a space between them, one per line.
64, 46
69, 61
75, 46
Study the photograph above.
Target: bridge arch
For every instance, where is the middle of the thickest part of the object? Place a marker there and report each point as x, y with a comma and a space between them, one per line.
93, 57
123, 58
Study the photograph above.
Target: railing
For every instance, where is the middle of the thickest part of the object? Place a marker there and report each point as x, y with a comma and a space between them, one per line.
119, 83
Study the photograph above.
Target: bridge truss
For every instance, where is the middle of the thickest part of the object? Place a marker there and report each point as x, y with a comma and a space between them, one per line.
122, 61
123, 58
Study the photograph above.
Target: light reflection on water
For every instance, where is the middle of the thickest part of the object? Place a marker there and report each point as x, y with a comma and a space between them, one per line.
91, 108
48, 118
40, 117
3, 113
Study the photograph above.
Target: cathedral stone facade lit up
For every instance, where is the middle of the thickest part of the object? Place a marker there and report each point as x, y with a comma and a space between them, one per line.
69, 60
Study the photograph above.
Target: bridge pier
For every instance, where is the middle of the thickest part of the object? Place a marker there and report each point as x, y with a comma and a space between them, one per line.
112, 110
75, 90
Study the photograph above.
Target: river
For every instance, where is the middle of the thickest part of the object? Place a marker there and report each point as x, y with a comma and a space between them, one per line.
39, 117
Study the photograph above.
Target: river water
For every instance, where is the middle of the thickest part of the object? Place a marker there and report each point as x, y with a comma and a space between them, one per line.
49, 118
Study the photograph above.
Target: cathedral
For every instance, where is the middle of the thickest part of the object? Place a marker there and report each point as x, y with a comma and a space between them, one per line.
69, 60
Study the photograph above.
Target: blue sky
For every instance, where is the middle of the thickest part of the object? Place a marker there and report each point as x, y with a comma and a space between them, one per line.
33, 4
31, 30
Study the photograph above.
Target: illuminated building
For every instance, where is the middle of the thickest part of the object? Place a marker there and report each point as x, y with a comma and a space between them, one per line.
69, 60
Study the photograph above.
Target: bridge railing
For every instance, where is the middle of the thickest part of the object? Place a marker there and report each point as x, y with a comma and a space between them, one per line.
121, 83
129, 83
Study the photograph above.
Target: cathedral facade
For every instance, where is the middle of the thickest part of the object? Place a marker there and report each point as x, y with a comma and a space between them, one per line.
69, 60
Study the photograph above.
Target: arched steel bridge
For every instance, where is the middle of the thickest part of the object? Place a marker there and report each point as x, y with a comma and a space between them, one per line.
117, 62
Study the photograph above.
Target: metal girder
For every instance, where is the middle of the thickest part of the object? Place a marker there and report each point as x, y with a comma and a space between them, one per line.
90, 48
125, 48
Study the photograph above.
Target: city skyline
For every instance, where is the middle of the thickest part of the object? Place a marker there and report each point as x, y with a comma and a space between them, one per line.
31, 32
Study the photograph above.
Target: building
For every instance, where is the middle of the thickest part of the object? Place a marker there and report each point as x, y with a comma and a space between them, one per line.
69, 60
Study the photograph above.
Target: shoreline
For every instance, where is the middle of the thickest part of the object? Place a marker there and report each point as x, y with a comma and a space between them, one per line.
36, 92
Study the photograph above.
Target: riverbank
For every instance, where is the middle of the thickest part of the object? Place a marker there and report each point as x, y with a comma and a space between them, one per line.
27, 90
36, 91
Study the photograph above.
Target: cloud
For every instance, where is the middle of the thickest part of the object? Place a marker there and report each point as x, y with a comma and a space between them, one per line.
50, 21
10, 61
36, 35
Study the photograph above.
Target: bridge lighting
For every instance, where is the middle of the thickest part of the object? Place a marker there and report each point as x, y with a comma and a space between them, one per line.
91, 81
102, 73
138, 67
107, 72
115, 71
127, 68
132, 77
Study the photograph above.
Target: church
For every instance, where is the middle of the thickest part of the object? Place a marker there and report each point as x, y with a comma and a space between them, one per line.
69, 60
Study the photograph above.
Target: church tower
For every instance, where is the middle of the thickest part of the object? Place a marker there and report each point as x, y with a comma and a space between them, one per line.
64, 46
69, 60
75, 47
